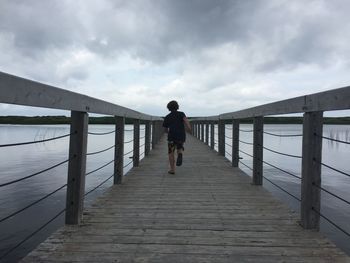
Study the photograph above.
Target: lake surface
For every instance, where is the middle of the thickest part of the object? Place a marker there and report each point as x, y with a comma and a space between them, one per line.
17, 162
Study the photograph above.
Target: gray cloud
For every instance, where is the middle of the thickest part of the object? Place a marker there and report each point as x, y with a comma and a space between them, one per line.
188, 49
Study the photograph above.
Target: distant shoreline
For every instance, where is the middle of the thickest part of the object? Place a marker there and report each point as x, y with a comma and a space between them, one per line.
52, 120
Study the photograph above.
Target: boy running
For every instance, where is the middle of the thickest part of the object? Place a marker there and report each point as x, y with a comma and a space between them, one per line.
174, 123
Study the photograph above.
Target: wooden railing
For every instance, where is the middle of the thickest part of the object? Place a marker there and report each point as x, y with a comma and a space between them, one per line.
20, 91
312, 106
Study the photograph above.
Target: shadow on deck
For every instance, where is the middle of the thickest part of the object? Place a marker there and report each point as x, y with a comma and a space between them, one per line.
207, 212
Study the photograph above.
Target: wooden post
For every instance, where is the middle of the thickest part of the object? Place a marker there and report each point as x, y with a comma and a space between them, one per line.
198, 130
207, 133
221, 137
212, 134
202, 131
235, 142
311, 169
119, 150
258, 150
153, 134
76, 167
147, 137
136, 157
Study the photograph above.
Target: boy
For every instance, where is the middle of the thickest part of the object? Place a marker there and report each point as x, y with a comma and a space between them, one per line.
174, 123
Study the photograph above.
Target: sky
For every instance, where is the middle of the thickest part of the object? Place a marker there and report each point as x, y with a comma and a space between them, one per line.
212, 56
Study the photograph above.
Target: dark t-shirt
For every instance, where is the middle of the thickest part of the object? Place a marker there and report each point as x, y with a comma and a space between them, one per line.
174, 121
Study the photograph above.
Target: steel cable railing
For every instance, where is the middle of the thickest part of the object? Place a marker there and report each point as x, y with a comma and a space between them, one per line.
33, 142
280, 153
282, 170
228, 153
32, 204
334, 140
246, 165
331, 222
328, 192
37, 173
31, 235
244, 142
128, 152
241, 130
246, 153
283, 135
99, 168
228, 137
228, 144
99, 185
332, 168
128, 164
281, 188
104, 150
101, 133
129, 141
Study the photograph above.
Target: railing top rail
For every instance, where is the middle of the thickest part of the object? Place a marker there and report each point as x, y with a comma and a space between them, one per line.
20, 91
336, 99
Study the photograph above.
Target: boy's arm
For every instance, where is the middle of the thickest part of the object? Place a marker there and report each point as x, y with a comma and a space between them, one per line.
187, 124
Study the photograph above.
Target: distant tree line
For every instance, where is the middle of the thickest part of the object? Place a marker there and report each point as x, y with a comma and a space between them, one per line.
36, 120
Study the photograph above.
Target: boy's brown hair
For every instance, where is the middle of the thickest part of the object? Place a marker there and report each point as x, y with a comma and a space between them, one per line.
173, 106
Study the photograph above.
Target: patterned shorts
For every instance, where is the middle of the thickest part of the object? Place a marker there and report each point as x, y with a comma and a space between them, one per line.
172, 145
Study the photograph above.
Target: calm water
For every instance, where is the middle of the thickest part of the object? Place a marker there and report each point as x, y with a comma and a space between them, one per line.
17, 162
333, 154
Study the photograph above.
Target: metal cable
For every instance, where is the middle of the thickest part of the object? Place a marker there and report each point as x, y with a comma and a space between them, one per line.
336, 196
129, 141
246, 153
229, 128
246, 130
34, 174
128, 152
101, 133
246, 165
142, 145
142, 129
283, 135
228, 137
285, 154
281, 169
228, 144
93, 189
249, 143
32, 234
332, 168
34, 203
128, 129
228, 153
331, 222
279, 187
128, 164
93, 153
32, 142
142, 137
331, 139
99, 168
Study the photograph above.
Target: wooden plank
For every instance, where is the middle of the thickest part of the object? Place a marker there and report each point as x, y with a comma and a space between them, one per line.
207, 212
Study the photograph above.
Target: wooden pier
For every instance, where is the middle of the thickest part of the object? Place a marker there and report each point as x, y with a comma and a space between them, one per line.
207, 212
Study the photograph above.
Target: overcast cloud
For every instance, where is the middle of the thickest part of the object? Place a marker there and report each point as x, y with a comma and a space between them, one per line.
212, 56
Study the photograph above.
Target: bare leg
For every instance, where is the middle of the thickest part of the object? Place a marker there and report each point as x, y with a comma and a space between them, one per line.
172, 161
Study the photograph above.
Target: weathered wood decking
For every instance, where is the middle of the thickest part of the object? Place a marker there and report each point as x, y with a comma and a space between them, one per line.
207, 212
